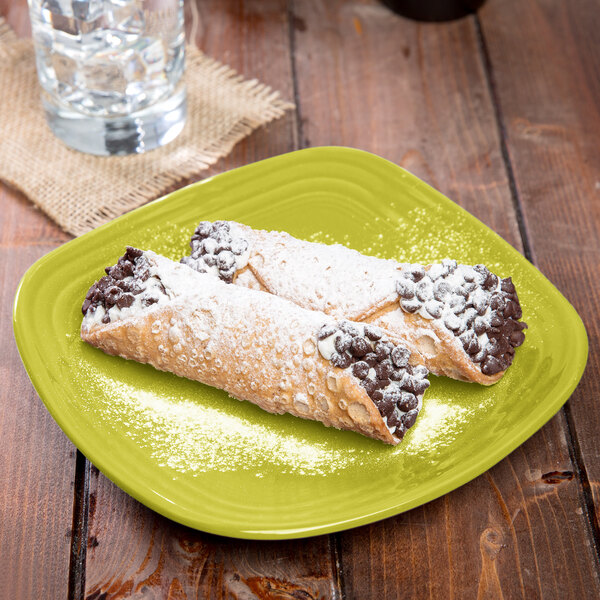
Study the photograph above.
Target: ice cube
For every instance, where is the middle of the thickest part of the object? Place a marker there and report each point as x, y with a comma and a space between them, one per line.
104, 75
73, 17
58, 8
151, 52
125, 16
58, 14
87, 10
65, 69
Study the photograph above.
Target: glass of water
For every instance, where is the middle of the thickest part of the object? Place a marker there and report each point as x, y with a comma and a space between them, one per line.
111, 72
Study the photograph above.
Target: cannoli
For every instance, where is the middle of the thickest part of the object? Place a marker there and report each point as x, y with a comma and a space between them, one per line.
255, 346
458, 320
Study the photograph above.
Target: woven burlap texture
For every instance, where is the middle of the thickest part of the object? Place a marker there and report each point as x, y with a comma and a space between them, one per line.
81, 191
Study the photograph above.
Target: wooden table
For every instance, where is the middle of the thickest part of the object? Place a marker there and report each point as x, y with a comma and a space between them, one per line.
501, 112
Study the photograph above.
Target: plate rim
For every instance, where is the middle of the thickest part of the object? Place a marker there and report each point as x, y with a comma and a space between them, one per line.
162, 506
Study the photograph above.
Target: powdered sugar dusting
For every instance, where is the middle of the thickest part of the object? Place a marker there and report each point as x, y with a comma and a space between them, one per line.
195, 437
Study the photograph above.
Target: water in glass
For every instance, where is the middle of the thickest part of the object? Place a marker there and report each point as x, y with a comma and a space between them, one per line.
116, 65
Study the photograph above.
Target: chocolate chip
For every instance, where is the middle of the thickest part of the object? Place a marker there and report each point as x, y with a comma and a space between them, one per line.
416, 272
434, 308
469, 316
150, 301
405, 288
370, 359
481, 355
408, 420
509, 309
400, 356
409, 383
326, 330
436, 271
342, 361
125, 301
410, 306
203, 230
473, 347
420, 371
222, 226
393, 393
210, 260
106, 318
420, 385
393, 420
349, 328
132, 253
377, 395
517, 312
386, 407
370, 385
424, 290
517, 338
113, 294
397, 374
143, 274
491, 365
458, 305
86, 304
360, 347
127, 268
480, 301
384, 369
469, 275
225, 260
382, 350
116, 272
373, 333
498, 346
342, 343
222, 247
227, 276
452, 322
497, 302
360, 369
480, 326
441, 291
408, 402
506, 285
490, 282
496, 320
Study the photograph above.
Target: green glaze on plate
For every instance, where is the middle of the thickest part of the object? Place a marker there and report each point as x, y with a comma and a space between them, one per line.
206, 460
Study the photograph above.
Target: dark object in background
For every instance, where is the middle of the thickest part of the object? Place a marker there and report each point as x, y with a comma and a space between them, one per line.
434, 10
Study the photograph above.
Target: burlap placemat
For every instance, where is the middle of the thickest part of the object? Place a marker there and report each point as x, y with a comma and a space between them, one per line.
80, 191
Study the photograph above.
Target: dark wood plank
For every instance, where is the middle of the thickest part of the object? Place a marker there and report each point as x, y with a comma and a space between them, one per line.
38, 462
132, 550
549, 96
418, 95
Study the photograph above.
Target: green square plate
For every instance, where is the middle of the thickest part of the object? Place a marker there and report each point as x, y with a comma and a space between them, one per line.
201, 458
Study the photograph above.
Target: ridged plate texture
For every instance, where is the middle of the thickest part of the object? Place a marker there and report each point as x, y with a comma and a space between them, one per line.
201, 458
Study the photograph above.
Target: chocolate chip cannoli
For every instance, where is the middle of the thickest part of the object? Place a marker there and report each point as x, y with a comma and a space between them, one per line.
458, 320
255, 346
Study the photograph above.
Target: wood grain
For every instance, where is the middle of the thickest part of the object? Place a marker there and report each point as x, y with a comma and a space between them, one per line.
133, 551
548, 90
418, 95
38, 462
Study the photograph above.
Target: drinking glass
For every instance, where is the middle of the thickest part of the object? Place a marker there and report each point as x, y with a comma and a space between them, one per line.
111, 72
